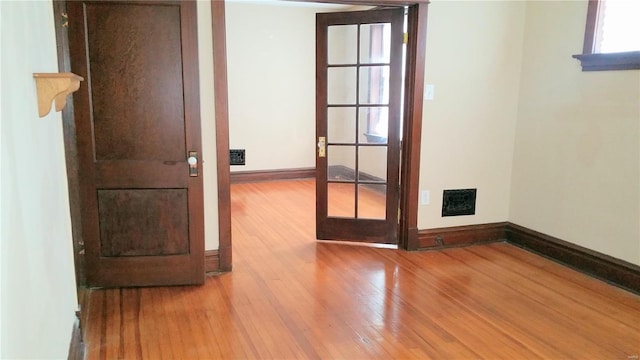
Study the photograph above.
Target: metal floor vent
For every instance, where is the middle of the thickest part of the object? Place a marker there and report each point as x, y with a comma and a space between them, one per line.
236, 157
459, 202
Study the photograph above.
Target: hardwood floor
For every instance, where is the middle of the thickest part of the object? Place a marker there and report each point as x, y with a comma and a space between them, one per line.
290, 297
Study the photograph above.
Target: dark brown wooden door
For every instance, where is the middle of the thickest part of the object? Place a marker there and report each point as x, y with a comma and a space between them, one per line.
137, 122
358, 116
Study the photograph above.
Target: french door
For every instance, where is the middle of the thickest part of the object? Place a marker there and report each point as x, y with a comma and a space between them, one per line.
358, 117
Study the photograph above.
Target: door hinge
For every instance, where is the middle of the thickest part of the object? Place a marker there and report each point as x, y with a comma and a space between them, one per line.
405, 38
65, 19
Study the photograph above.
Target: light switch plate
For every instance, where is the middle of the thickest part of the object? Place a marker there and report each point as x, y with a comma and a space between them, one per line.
429, 91
425, 197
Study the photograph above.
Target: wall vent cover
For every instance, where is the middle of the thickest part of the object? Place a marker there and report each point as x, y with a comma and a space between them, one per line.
236, 157
459, 202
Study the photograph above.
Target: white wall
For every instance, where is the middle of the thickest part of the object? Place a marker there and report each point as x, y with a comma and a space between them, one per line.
1, 217
271, 74
473, 58
576, 172
208, 126
38, 284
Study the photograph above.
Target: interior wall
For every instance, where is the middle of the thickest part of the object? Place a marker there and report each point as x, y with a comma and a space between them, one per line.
473, 57
576, 173
1, 207
208, 126
271, 74
38, 281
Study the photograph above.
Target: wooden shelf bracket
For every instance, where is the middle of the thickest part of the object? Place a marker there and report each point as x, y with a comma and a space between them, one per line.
55, 86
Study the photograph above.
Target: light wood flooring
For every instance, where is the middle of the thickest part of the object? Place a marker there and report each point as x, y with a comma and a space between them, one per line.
290, 297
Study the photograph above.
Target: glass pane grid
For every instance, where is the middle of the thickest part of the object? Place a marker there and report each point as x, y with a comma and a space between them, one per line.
375, 42
372, 202
342, 44
341, 200
342, 85
341, 125
363, 75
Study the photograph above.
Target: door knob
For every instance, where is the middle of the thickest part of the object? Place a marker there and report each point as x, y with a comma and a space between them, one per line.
192, 160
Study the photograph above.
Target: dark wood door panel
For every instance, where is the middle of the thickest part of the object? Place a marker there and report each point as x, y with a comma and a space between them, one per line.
145, 271
137, 117
143, 222
371, 231
128, 46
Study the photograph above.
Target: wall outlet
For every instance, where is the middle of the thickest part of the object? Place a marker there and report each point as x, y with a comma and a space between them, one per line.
425, 197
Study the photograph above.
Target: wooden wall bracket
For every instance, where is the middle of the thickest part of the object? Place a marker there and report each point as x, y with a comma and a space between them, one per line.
55, 86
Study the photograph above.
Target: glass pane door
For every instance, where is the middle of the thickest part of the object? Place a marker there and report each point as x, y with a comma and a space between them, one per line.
360, 119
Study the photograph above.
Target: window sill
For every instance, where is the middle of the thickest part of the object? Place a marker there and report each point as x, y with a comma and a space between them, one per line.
610, 61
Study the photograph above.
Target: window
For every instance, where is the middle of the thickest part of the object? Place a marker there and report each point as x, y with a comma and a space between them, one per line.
611, 40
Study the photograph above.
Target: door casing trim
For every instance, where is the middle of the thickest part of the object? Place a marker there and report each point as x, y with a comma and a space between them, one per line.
70, 148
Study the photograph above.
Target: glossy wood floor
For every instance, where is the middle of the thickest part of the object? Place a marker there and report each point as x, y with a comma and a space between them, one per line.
290, 297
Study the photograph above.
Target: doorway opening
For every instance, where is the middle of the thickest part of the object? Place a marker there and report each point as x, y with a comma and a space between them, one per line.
412, 118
